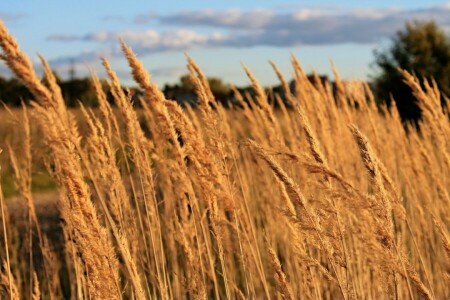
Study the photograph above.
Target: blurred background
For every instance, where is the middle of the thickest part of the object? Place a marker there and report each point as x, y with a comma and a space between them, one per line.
205, 171
363, 38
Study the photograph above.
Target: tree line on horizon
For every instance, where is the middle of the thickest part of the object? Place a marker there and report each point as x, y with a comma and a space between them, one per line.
421, 48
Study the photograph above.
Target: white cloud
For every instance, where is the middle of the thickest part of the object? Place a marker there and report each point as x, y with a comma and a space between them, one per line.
149, 40
260, 27
310, 13
232, 18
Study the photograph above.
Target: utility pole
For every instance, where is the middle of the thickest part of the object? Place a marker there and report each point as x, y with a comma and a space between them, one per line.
72, 70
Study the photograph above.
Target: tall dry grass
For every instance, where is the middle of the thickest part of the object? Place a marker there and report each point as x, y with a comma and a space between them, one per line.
326, 196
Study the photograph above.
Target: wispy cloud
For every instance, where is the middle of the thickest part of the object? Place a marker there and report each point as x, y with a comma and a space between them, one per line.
63, 37
260, 27
7, 16
240, 28
146, 18
306, 26
83, 61
149, 41
172, 72
232, 18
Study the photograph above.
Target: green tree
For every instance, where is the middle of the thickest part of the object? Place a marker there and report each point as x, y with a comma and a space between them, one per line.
186, 83
217, 86
421, 48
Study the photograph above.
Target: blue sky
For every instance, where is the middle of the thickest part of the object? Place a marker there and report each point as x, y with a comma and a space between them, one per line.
219, 35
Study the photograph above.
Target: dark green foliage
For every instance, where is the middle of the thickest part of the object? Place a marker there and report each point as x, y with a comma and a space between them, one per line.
184, 91
421, 48
12, 91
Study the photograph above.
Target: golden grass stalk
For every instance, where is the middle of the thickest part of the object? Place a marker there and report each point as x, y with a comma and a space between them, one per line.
8, 288
386, 229
58, 100
284, 83
93, 241
36, 290
371, 164
140, 147
283, 285
298, 200
21, 65
156, 98
107, 180
194, 281
23, 178
444, 238
311, 138
261, 97
104, 106
7, 279
415, 278
202, 200
430, 104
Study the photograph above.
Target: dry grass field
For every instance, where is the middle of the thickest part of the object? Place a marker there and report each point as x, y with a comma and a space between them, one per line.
326, 197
